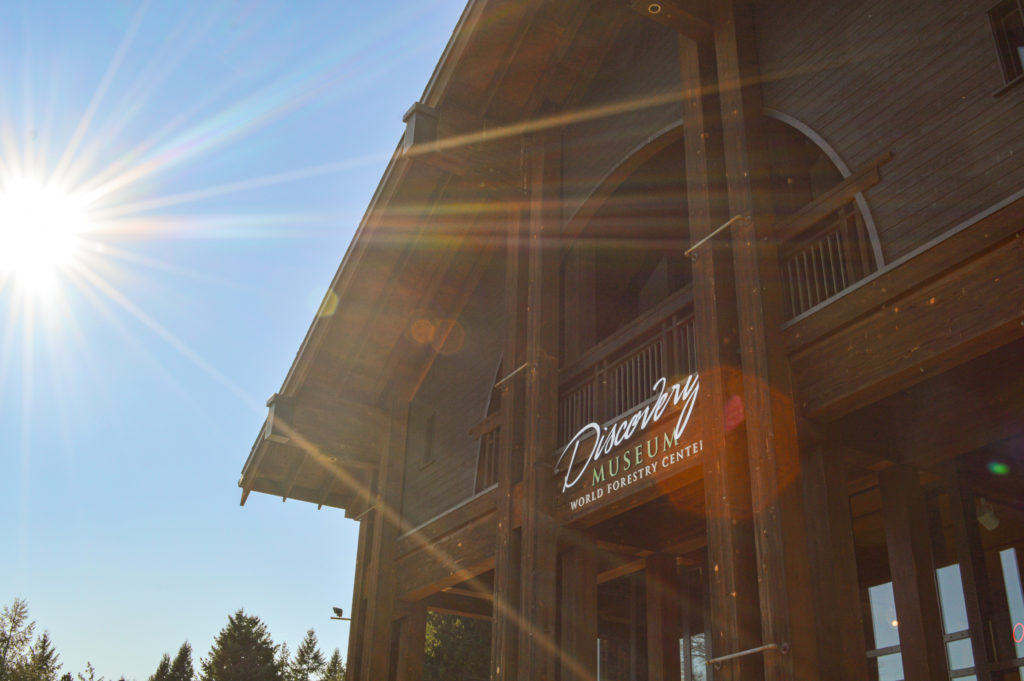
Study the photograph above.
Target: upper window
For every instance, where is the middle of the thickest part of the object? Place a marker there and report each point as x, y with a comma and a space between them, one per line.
1007, 19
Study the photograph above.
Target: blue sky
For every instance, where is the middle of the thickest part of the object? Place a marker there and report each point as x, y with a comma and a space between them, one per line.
237, 145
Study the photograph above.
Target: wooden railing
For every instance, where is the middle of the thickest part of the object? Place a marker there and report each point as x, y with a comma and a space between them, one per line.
829, 258
825, 247
618, 373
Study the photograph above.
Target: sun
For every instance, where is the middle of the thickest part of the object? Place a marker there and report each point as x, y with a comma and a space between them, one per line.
41, 228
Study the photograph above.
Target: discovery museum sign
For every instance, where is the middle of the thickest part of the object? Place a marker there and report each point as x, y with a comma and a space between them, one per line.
604, 464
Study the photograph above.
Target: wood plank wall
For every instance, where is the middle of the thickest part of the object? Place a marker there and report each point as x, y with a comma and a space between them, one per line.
904, 76
456, 391
642, 63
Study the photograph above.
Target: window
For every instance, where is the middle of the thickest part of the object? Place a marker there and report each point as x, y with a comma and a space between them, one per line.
1007, 19
428, 440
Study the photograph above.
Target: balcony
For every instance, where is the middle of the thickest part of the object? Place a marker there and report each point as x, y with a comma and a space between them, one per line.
618, 373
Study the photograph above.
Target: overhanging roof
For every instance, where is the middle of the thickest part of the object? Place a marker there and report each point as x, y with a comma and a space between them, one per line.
437, 214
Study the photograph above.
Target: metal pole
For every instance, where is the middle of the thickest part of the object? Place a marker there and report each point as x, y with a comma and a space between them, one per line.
717, 661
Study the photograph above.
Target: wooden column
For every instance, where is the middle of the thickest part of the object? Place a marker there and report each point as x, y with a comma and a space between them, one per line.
978, 591
780, 534
578, 645
663, 619
358, 624
412, 644
538, 648
734, 613
508, 544
380, 570
912, 567
841, 642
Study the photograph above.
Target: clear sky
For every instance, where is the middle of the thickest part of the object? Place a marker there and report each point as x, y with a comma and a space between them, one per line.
217, 157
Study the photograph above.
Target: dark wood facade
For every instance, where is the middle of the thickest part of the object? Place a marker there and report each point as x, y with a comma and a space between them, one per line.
772, 256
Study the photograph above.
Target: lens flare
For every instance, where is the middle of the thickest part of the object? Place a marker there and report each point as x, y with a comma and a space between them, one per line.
998, 468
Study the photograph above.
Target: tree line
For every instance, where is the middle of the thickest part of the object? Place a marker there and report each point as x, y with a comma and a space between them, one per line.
242, 651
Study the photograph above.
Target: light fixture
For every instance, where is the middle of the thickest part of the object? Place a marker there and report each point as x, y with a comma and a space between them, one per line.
654, 8
987, 514
339, 614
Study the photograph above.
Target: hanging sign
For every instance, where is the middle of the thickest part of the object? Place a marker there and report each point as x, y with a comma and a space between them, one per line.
604, 464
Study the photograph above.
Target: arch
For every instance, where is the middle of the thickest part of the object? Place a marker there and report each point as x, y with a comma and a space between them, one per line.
844, 170
619, 173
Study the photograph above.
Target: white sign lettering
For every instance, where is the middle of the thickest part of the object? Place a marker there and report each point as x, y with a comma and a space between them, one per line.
604, 440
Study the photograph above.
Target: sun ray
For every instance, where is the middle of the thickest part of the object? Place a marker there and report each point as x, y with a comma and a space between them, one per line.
242, 185
108, 251
170, 339
85, 121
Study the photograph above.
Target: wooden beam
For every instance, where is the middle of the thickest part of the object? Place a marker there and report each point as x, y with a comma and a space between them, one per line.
681, 17
935, 258
621, 570
357, 628
458, 142
735, 616
920, 334
772, 439
974, 577
431, 532
380, 574
792, 227
537, 643
459, 604
912, 567
661, 581
412, 635
447, 560
834, 566
508, 541
578, 644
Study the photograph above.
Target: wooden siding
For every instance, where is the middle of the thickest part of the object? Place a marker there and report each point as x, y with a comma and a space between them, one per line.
455, 391
913, 78
641, 68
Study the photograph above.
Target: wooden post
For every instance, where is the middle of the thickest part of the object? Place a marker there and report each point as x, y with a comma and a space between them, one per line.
912, 567
578, 645
978, 591
663, 620
734, 613
358, 623
538, 648
780, 534
412, 644
841, 641
380, 571
508, 544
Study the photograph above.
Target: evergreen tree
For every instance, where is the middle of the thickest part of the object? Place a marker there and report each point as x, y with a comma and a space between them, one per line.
89, 674
15, 639
308, 662
456, 648
284, 656
242, 651
43, 663
335, 669
182, 669
163, 670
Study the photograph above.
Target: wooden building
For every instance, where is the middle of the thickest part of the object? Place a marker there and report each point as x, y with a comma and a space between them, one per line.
685, 340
